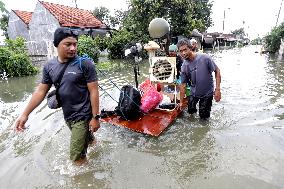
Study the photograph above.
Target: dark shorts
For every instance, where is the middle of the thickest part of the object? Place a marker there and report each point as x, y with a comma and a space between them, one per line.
205, 104
80, 138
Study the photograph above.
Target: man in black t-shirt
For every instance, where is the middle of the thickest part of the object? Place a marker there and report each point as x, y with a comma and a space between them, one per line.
78, 93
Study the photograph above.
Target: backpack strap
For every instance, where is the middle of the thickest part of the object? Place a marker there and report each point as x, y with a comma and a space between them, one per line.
80, 60
57, 84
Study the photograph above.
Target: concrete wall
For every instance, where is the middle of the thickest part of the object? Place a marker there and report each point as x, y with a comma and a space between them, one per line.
42, 26
281, 50
17, 28
39, 37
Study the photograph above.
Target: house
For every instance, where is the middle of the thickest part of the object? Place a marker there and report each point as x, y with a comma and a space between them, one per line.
18, 25
39, 29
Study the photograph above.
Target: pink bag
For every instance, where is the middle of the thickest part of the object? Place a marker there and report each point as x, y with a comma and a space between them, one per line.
150, 98
144, 85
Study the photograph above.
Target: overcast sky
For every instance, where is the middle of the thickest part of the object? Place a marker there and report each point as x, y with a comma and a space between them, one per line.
256, 16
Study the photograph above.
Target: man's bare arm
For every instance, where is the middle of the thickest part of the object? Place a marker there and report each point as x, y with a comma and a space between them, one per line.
36, 99
94, 97
217, 92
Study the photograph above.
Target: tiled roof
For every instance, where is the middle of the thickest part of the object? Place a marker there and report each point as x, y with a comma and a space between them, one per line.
72, 17
24, 15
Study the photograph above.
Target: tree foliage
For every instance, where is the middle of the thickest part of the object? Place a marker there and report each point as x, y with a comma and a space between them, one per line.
2, 8
86, 45
239, 32
103, 14
273, 39
256, 41
14, 59
182, 15
118, 42
4, 19
101, 42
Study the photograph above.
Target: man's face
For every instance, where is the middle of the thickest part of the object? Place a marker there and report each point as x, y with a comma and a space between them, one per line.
67, 48
194, 46
172, 54
185, 52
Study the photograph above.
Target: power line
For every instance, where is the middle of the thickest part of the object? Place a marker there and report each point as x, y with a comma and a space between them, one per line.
279, 13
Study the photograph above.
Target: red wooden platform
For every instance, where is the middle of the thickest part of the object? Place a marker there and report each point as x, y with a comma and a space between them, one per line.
153, 123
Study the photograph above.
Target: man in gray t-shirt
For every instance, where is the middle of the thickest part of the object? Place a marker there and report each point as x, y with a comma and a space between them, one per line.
197, 72
78, 93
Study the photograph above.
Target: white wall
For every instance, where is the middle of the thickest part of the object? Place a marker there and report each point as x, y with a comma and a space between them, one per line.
42, 26
17, 28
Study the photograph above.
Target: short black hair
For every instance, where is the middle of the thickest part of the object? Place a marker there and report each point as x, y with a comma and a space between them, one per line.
183, 42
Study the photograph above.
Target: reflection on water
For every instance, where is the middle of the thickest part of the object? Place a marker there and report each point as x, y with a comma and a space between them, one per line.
17, 89
241, 146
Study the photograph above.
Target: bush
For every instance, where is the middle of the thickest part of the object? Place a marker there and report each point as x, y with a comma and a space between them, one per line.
14, 59
86, 45
101, 42
256, 41
273, 40
118, 42
20, 65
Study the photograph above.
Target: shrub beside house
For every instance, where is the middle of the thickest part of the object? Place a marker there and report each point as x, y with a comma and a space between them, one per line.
37, 28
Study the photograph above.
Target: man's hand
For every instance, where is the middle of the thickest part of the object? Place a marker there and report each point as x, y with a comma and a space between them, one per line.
36, 99
94, 125
20, 123
217, 95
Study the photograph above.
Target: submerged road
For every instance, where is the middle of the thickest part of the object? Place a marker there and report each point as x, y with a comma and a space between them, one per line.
241, 146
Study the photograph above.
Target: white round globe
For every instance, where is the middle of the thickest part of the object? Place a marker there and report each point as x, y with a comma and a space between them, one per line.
158, 28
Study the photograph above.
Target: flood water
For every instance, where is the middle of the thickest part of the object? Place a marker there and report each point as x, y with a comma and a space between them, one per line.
241, 146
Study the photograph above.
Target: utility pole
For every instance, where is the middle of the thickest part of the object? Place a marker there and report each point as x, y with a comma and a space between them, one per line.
224, 19
279, 13
75, 1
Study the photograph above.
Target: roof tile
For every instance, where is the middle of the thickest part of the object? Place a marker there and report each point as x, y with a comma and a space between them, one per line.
72, 17
24, 15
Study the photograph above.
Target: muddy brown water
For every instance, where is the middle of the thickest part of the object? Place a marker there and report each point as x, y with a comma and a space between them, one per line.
241, 146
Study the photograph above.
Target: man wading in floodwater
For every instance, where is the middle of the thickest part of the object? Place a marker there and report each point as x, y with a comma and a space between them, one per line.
78, 93
197, 71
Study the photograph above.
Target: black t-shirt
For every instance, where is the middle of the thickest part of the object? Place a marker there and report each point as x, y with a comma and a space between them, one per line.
73, 91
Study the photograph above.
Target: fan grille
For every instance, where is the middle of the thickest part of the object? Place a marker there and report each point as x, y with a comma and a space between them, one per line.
162, 69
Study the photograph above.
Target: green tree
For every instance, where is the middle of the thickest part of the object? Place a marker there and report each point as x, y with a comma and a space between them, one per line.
256, 41
14, 59
2, 8
4, 25
116, 46
117, 19
239, 32
273, 39
182, 15
4, 19
87, 45
103, 14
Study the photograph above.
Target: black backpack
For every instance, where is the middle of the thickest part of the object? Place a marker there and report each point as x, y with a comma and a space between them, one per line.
129, 103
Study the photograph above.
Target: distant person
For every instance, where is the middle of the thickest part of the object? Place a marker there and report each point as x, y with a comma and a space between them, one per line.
78, 93
194, 45
197, 71
173, 53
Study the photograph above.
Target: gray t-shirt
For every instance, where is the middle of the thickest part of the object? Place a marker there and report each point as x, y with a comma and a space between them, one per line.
73, 91
198, 74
